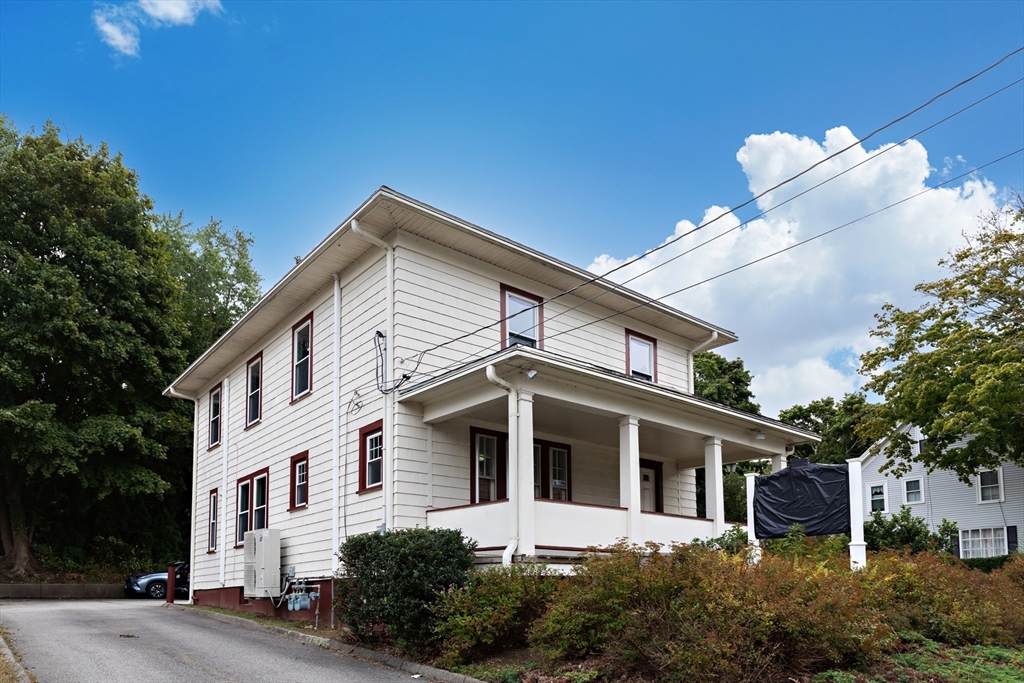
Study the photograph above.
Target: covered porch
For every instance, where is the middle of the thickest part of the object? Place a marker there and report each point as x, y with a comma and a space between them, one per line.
564, 455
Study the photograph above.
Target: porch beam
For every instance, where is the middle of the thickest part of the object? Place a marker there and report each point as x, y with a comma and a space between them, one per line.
460, 403
629, 474
713, 484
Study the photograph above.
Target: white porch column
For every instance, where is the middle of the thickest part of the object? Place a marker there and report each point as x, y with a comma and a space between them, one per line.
688, 491
714, 493
779, 462
858, 548
629, 474
755, 552
525, 505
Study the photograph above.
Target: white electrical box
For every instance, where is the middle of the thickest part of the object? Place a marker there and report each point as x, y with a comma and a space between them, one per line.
262, 564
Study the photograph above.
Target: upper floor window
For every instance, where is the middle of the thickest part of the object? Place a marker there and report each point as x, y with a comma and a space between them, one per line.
302, 357
641, 356
371, 456
215, 416
254, 390
878, 498
522, 318
990, 486
912, 491
299, 492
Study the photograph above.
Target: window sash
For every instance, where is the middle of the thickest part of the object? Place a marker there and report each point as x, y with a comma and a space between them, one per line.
521, 319
254, 388
374, 459
982, 542
244, 501
212, 544
537, 474
214, 417
913, 491
989, 483
559, 474
302, 359
300, 482
259, 517
641, 358
486, 468
878, 498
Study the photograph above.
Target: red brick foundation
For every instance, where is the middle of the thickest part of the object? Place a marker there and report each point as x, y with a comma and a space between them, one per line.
231, 598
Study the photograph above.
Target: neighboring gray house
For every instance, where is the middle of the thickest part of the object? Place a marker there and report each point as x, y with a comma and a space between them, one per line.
989, 511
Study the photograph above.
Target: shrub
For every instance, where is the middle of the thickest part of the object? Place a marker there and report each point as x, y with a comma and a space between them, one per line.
732, 542
797, 545
698, 614
493, 611
986, 564
390, 580
904, 530
1013, 570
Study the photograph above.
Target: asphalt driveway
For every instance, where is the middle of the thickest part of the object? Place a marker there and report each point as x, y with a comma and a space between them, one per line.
138, 641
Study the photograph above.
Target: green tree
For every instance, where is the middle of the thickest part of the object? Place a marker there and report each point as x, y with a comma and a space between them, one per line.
955, 365
836, 423
90, 332
725, 381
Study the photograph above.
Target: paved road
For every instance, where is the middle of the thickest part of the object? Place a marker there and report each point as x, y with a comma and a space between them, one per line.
80, 641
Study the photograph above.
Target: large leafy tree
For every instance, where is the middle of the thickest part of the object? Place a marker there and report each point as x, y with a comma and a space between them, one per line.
90, 332
955, 365
836, 423
722, 380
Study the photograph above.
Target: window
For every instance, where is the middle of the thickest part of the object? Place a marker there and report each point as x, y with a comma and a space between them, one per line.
302, 357
551, 471
211, 545
982, 542
990, 486
254, 390
215, 416
371, 456
641, 356
912, 492
488, 465
252, 504
522, 318
878, 498
299, 492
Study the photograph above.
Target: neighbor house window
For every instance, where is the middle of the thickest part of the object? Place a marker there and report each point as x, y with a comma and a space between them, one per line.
299, 495
912, 492
522, 318
552, 471
488, 465
371, 456
990, 486
641, 356
211, 545
302, 357
878, 498
982, 542
215, 412
254, 390
252, 504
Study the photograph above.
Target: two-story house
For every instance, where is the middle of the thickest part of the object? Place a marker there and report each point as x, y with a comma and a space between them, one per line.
418, 370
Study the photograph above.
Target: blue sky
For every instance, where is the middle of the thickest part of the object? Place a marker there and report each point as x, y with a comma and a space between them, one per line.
586, 130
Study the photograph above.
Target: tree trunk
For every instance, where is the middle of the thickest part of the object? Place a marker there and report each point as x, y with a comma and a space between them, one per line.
18, 559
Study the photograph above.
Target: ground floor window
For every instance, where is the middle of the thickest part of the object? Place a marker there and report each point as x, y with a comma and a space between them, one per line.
211, 545
488, 465
298, 494
982, 542
252, 504
551, 471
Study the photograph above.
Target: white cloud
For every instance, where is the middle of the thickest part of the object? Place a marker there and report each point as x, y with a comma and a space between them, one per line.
118, 25
817, 301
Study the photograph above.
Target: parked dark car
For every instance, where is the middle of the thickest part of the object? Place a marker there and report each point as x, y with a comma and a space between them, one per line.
154, 584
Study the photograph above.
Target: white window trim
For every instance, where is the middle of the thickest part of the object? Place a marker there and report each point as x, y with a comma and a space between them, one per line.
249, 393
306, 323
885, 496
977, 485
906, 501
219, 417
650, 357
960, 540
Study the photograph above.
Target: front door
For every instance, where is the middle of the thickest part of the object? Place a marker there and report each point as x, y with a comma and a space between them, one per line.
648, 498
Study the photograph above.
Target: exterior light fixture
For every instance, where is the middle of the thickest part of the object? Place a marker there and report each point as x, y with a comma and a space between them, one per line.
531, 373
759, 435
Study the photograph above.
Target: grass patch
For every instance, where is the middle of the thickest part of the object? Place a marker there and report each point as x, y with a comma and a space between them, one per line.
340, 632
931, 661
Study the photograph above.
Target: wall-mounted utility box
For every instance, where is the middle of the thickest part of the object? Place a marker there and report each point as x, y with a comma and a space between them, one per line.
262, 564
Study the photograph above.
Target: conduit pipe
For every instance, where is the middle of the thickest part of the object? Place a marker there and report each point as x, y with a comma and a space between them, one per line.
336, 425
697, 349
513, 464
388, 371
222, 495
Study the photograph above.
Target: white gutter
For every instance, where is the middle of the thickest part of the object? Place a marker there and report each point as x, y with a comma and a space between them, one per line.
336, 425
195, 481
697, 349
222, 502
513, 464
389, 399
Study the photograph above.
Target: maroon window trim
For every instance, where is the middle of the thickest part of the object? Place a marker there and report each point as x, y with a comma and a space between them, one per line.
252, 500
306, 319
220, 417
659, 491
293, 466
257, 357
370, 430
654, 353
501, 463
505, 290
545, 468
213, 499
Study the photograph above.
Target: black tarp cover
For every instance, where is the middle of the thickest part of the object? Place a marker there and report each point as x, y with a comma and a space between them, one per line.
817, 497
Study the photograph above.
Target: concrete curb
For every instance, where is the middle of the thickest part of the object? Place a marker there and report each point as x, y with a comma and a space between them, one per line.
20, 675
331, 644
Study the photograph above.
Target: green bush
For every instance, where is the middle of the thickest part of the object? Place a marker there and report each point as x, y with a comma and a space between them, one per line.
797, 545
733, 541
493, 611
903, 530
986, 564
698, 614
389, 581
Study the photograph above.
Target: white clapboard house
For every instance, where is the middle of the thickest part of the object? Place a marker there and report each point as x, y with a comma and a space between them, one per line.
988, 511
571, 424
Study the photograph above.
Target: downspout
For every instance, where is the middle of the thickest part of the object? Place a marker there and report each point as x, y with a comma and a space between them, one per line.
336, 426
195, 481
697, 349
389, 399
222, 502
513, 464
